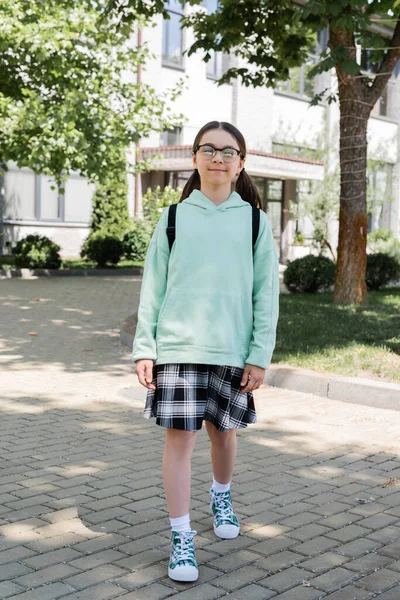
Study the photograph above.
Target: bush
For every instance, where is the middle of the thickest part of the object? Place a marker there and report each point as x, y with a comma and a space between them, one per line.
155, 201
382, 241
309, 274
137, 240
102, 249
37, 252
381, 269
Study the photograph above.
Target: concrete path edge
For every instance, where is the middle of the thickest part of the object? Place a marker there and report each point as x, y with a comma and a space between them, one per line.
27, 273
355, 390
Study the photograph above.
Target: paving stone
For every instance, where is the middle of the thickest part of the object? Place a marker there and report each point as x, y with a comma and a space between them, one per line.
317, 545
8, 588
286, 579
44, 592
393, 594
368, 563
300, 593
101, 591
350, 593
385, 535
239, 578
93, 576
272, 545
250, 592
357, 548
334, 579
346, 534
234, 560
44, 576
380, 580
309, 531
377, 521
324, 562
204, 591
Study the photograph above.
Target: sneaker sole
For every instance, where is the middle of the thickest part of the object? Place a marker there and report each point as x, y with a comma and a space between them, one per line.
186, 574
227, 532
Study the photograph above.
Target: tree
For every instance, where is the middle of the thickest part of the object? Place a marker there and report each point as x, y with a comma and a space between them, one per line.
69, 100
274, 36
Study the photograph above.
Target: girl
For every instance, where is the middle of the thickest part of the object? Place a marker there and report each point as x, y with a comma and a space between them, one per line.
206, 329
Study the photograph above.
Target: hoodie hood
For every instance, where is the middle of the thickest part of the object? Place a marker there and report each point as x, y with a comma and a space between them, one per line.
197, 198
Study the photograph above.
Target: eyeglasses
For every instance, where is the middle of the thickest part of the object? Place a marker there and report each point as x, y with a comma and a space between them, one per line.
207, 152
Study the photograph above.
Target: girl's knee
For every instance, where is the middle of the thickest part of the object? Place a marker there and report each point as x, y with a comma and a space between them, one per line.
180, 439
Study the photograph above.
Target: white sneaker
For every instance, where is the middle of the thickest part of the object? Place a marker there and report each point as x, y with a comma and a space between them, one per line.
226, 524
182, 563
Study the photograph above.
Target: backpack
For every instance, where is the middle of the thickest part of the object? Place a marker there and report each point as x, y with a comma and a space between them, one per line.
172, 220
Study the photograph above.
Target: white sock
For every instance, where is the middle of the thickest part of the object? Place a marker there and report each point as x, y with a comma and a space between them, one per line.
180, 524
220, 487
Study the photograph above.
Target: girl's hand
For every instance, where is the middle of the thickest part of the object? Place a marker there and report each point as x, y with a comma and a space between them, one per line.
144, 371
257, 375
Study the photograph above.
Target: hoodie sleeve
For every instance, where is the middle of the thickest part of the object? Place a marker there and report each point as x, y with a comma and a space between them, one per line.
265, 297
152, 292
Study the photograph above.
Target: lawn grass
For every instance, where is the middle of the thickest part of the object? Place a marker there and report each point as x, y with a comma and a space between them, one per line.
358, 341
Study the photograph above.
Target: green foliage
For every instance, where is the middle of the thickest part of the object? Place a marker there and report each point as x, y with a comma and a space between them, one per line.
110, 206
137, 240
381, 270
309, 274
299, 239
37, 252
155, 201
103, 249
65, 101
380, 235
381, 241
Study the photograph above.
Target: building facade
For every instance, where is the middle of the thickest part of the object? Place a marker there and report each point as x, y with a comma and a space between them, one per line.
282, 131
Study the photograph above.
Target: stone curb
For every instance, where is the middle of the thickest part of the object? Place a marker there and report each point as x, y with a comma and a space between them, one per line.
28, 273
355, 390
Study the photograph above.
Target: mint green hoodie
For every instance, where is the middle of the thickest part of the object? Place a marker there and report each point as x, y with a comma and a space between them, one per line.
209, 302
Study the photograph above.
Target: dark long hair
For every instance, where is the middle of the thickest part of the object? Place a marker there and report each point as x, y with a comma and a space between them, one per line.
244, 186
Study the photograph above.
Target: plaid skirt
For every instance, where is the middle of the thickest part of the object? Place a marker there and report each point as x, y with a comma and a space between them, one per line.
187, 394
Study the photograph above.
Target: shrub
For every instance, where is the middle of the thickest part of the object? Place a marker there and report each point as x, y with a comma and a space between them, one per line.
137, 240
102, 249
309, 274
155, 201
381, 241
37, 252
381, 269
110, 205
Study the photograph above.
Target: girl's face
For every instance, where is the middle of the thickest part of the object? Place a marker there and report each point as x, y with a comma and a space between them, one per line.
215, 170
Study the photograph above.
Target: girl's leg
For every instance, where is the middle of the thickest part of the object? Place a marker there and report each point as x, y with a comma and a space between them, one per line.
179, 446
223, 452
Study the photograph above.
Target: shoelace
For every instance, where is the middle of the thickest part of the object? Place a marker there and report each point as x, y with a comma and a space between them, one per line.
184, 548
222, 504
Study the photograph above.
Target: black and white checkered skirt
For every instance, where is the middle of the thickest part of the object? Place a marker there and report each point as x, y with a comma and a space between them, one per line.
186, 394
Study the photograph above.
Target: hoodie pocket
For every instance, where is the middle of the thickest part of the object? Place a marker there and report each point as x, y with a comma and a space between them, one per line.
204, 317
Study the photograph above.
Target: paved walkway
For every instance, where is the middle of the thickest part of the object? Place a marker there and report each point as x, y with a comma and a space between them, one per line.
82, 508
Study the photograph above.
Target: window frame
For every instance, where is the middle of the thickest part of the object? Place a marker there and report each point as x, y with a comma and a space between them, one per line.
166, 24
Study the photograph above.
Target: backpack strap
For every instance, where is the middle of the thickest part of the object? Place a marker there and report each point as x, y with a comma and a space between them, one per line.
171, 229
171, 224
255, 224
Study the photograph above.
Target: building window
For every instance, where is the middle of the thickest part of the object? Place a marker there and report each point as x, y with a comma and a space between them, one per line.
219, 61
299, 82
293, 150
379, 194
369, 68
171, 137
30, 197
172, 40
271, 192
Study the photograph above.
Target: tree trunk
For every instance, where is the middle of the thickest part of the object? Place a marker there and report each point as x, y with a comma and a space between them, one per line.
350, 285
